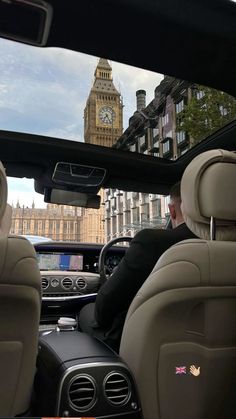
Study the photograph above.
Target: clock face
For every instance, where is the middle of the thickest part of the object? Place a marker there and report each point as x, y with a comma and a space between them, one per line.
107, 115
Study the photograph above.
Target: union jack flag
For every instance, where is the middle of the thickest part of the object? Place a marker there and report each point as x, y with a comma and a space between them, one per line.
180, 370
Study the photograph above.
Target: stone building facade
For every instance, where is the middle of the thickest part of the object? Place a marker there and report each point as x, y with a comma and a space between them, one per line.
151, 131
57, 222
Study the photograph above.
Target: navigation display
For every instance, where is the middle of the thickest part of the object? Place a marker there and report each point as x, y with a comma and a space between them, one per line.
60, 262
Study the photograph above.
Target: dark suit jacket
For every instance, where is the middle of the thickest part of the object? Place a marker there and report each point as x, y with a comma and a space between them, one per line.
147, 246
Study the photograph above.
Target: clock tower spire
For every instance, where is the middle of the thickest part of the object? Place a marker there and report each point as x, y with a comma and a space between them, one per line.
103, 114
103, 70
103, 125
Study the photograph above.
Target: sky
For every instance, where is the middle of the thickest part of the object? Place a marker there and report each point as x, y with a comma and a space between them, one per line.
44, 91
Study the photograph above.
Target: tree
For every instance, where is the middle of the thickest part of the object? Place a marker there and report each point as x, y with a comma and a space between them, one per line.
206, 112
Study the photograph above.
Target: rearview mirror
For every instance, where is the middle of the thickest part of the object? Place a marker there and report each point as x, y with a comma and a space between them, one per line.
77, 199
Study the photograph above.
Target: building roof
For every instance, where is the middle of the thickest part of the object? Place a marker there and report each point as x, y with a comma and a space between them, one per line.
104, 64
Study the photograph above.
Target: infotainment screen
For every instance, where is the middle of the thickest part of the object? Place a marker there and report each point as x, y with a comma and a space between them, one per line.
60, 262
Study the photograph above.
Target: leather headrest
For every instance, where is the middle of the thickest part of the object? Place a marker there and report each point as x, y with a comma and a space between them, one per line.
208, 190
3, 191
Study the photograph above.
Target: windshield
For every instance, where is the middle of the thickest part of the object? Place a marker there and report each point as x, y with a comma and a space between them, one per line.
65, 94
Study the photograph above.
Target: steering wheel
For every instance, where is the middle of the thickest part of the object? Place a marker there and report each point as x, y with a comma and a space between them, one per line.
103, 253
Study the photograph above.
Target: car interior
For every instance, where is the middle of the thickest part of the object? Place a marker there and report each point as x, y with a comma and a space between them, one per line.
177, 356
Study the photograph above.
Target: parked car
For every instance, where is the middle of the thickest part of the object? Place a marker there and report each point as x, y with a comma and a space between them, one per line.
184, 363
36, 239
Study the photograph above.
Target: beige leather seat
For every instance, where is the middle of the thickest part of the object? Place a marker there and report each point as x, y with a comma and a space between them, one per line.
5, 221
20, 304
179, 337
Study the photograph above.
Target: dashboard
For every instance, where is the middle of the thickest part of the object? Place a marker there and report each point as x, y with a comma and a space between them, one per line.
70, 270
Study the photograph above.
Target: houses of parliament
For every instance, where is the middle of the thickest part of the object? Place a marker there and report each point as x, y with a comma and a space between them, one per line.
103, 125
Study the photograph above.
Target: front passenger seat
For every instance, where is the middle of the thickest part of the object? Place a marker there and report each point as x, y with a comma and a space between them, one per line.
179, 337
20, 305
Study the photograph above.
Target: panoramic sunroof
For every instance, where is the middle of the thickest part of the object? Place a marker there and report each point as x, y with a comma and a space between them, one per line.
65, 94
44, 91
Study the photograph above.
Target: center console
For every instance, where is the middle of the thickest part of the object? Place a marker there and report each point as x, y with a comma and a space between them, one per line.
77, 375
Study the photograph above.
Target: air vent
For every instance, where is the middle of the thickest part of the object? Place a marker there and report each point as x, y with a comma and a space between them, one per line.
67, 283
81, 283
45, 283
82, 392
117, 388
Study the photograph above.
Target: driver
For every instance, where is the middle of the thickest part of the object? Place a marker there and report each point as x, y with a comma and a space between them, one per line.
104, 319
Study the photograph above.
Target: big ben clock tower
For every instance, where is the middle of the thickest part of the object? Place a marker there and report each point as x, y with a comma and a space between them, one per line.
103, 114
103, 125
